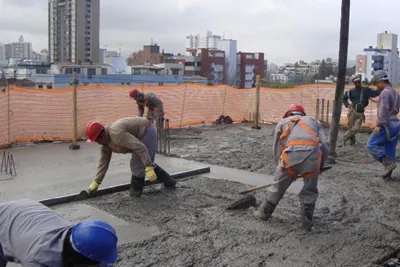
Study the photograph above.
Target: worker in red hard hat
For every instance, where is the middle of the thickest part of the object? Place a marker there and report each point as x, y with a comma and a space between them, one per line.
155, 110
34, 235
134, 135
300, 151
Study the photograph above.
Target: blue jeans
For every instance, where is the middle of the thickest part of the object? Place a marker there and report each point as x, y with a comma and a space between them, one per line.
379, 146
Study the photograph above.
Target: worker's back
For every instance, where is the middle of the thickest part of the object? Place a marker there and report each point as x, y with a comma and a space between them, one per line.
136, 126
300, 135
32, 233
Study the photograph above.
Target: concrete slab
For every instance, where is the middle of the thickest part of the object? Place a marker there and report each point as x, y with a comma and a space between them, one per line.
128, 232
51, 170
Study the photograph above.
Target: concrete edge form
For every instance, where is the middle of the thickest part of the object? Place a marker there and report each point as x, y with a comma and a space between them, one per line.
119, 188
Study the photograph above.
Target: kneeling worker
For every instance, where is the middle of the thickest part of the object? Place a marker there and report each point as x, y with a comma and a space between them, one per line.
300, 150
34, 235
135, 135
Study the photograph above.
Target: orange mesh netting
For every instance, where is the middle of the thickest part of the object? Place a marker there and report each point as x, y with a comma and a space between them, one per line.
42, 114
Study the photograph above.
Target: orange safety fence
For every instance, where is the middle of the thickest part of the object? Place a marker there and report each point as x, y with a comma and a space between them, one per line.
35, 114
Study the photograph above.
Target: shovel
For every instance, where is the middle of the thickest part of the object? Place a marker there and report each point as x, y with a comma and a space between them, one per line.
250, 200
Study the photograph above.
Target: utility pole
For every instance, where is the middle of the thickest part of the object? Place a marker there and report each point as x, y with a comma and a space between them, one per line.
341, 78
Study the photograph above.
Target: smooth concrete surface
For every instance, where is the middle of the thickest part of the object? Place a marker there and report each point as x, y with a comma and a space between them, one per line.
51, 170
128, 232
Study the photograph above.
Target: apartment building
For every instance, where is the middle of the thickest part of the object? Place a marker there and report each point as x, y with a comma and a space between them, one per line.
150, 54
20, 49
74, 31
384, 56
249, 65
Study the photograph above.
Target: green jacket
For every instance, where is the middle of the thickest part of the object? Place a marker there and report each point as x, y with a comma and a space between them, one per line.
358, 102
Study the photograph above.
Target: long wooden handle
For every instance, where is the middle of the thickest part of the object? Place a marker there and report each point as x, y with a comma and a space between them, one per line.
268, 185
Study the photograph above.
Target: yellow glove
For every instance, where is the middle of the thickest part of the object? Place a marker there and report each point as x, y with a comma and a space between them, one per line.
151, 174
93, 186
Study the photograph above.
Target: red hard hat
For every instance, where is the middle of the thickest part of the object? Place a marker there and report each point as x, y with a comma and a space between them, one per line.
294, 108
93, 130
134, 93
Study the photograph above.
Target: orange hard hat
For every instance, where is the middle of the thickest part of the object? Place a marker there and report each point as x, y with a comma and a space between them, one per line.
93, 130
134, 93
294, 108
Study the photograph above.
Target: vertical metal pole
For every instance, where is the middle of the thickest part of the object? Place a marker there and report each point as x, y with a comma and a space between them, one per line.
74, 145
256, 124
167, 134
8, 116
327, 111
317, 110
341, 78
322, 109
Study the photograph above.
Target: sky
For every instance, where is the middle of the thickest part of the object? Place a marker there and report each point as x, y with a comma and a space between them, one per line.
285, 30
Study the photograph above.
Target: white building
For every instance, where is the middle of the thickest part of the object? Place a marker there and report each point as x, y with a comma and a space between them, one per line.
385, 56
18, 49
2, 52
197, 41
229, 46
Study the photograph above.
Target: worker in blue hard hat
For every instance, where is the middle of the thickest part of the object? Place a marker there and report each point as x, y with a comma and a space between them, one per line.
34, 235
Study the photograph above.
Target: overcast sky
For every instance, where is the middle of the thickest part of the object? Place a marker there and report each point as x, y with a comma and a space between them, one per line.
285, 30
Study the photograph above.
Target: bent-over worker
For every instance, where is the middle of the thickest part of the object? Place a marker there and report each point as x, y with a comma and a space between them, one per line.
155, 110
135, 135
359, 97
34, 235
382, 142
300, 150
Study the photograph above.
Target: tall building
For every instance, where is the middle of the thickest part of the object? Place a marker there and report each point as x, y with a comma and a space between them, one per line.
385, 56
74, 31
149, 55
207, 41
18, 49
229, 46
2, 52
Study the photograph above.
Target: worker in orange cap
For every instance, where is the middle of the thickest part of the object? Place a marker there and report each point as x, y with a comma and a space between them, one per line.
154, 105
300, 150
134, 135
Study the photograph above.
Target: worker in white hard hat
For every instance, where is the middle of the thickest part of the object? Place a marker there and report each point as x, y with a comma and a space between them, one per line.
382, 142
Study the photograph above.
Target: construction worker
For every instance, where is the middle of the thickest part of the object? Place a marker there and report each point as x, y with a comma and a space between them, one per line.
300, 150
154, 105
359, 97
382, 142
34, 235
135, 135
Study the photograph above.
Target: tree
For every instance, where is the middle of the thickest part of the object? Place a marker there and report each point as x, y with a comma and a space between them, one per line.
325, 70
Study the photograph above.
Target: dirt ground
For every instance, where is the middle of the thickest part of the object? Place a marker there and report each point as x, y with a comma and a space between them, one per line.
356, 219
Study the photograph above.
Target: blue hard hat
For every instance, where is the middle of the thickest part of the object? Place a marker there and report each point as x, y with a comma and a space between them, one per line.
96, 240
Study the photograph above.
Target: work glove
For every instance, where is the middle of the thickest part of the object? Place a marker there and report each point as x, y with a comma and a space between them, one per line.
150, 173
93, 187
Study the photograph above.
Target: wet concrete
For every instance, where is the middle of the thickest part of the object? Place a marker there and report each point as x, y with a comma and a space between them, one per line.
356, 218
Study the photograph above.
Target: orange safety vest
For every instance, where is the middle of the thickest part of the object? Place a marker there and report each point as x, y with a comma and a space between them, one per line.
297, 121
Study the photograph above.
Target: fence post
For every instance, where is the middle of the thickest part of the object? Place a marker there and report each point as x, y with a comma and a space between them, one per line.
317, 110
256, 124
183, 106
74, 145
327, 111
322, 109
8, 115
223, 103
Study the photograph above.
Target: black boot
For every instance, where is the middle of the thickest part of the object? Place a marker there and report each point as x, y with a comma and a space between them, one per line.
353, 141
264, 212
137, 184
307, 213
164, 177
389, 167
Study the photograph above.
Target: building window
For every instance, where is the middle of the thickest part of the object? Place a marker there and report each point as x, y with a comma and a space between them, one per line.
91, 71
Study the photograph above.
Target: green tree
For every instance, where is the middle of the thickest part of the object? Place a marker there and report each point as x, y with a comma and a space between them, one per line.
325, 70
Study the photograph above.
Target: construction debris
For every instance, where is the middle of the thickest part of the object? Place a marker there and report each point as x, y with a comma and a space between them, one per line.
224, 120
8, 164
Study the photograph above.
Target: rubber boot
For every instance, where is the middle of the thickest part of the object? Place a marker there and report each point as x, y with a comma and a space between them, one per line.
137, 184
164, 177
264, 212
353, 141
389, 167
307, 214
